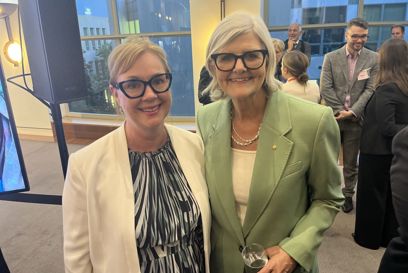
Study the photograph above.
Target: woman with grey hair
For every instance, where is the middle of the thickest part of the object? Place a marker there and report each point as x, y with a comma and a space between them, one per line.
270, 160
136, 199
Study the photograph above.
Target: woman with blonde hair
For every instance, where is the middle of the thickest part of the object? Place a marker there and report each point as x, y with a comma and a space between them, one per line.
294, 70
136, 199
270, 160
279, 46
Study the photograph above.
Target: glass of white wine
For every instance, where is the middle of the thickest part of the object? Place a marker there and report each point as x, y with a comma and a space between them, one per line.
254, 256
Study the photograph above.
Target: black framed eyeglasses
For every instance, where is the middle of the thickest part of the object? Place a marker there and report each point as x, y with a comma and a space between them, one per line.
356, 37
251, 59
136, 88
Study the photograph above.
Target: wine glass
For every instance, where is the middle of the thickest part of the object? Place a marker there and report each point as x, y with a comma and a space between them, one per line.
254, 257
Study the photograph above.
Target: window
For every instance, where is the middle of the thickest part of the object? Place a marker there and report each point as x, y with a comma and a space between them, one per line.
133, 17
323, 38
383, 13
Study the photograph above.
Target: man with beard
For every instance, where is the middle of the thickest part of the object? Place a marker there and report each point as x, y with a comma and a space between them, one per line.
347, 82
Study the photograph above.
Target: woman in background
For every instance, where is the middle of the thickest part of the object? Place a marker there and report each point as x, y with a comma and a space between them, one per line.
136, 199
271, 159
395, 257
294, 70
279, 46
385, 115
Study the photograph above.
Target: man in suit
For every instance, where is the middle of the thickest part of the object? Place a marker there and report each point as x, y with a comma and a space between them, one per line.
395, 258
295, 43
346, 84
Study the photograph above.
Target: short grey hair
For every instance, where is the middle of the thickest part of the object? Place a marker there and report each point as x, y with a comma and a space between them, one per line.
299, 26
228, 29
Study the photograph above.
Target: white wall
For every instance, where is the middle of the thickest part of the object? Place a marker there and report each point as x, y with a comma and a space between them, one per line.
31, 116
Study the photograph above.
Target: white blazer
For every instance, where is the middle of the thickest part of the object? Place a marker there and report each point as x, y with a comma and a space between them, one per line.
98, 203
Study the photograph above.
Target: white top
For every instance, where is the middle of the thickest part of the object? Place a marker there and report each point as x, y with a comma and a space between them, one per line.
309, 92
98, 202
242, 167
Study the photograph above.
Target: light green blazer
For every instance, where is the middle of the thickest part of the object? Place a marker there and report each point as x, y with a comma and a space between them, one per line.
295, 191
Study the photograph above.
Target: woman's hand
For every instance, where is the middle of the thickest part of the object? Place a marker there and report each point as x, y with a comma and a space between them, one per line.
279, 261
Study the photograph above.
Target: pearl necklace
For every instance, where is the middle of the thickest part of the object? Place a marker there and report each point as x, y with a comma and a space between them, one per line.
242, 141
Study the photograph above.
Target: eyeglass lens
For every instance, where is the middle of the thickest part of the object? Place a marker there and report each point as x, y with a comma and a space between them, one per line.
136, 88
355, 36
251, 60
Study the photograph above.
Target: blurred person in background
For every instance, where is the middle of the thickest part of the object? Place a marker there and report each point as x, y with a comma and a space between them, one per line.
395, 257
385, 115
279, 46
295, 43
294, 70
398, 32
347, 82
203, 94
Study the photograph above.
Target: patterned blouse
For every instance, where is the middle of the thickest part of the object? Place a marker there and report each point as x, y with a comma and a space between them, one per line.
167, 217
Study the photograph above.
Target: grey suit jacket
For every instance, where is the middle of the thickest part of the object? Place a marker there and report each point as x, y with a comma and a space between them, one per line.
335, 84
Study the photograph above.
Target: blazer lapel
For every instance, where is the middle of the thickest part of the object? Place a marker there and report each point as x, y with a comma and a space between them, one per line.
124, 175
220, 168
122, 155
342, 62
271, 158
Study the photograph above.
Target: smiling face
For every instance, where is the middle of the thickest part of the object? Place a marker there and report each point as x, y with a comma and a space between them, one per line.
294, 32
356, 37
242, 82
149, 111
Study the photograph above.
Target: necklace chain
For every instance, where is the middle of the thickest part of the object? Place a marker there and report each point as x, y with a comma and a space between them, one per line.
242, 141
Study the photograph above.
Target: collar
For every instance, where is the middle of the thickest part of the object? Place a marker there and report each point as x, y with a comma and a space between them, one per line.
291, 79
348, 52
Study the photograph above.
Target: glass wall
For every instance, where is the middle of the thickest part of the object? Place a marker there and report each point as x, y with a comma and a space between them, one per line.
105, 23
315, 15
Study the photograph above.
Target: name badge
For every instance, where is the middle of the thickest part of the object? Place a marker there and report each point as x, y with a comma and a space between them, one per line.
363, 75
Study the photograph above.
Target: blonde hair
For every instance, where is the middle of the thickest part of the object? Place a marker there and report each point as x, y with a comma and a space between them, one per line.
278, 44
124, 56
228, 29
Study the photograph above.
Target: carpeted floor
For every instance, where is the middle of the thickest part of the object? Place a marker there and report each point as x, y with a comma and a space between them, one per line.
31, 234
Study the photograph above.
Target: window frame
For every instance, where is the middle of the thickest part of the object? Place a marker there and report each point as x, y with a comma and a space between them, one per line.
115, 36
